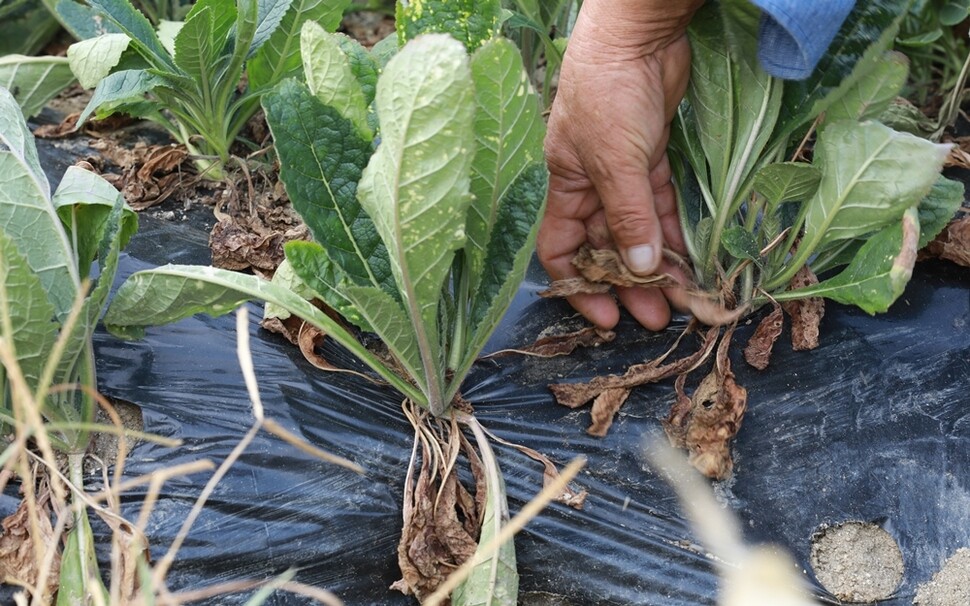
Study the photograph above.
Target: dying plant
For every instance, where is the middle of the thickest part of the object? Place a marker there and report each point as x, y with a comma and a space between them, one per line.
780, 182
419, 172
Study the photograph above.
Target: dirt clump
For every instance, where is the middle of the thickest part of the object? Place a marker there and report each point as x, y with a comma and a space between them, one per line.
858, 563
950, 586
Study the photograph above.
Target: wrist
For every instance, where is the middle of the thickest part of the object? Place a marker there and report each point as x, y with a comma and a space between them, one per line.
632, 28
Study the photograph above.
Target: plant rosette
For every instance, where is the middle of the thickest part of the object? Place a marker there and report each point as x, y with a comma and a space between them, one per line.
420, 174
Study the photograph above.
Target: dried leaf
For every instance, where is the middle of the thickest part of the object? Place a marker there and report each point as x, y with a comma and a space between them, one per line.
18, 558
953, 244
712, 419
605, 407
806, 314
574, 286
758, 351
957, 157
562, 345
550, 474
574, 395
309, 338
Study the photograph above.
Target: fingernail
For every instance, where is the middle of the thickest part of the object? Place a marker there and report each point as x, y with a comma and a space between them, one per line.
641, 259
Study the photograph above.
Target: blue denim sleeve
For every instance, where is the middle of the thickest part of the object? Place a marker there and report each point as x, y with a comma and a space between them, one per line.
796, 33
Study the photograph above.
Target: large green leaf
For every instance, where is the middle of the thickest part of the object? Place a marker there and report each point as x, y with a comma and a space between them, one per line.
269, 15
196, 48
83, 21
870, 175
26, 212
93, 59
23, 301
26, 26
872, 93
322, 157
878, 273
172, 292
416, 186
34, 81
120, 87
279, 57
85, 203
472, 22
330, 78
509, 132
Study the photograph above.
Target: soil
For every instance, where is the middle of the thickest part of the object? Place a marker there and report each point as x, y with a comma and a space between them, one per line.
104, 447
858, 563
950, 586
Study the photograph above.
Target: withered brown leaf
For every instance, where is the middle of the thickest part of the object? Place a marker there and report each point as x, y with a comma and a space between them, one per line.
758, 351
806, 314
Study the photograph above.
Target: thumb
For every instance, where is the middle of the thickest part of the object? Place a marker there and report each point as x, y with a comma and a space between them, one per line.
628, 203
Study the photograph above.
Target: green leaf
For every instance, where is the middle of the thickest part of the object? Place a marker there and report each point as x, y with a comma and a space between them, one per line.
390, 321
125, 86
311, 265
878, 273
362, 64
740, 243
93, 59
494, 581
23, 300
903, 116
34, 81
384, 51
130, 21
330, 78
509, 132
171, 293
873, 92
26, 212
936, 210
322, 157
196, 49
953, 13
870, 175
269, 16
279, 57
84, 203
77, 563
471, 22
285, 277
785, 181
416, 186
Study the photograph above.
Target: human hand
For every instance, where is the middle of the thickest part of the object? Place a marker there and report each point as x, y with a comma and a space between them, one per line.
624, 74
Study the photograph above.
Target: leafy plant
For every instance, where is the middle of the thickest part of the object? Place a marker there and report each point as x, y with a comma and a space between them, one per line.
192, 73
864, 202
49, 307
423, 188
25, 26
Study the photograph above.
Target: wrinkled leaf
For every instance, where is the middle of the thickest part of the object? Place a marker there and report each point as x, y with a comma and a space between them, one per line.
937, 208
93, 59
280, 56
509, 131
471, 22
330, 78
784, 181
34, 81
322, 157
740, 243
269, 16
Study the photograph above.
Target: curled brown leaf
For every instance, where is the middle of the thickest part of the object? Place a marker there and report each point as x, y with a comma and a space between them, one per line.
562, 345
758, 351
953, 243
806, 314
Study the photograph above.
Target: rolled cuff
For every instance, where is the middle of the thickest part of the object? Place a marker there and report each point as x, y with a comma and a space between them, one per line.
794, 34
